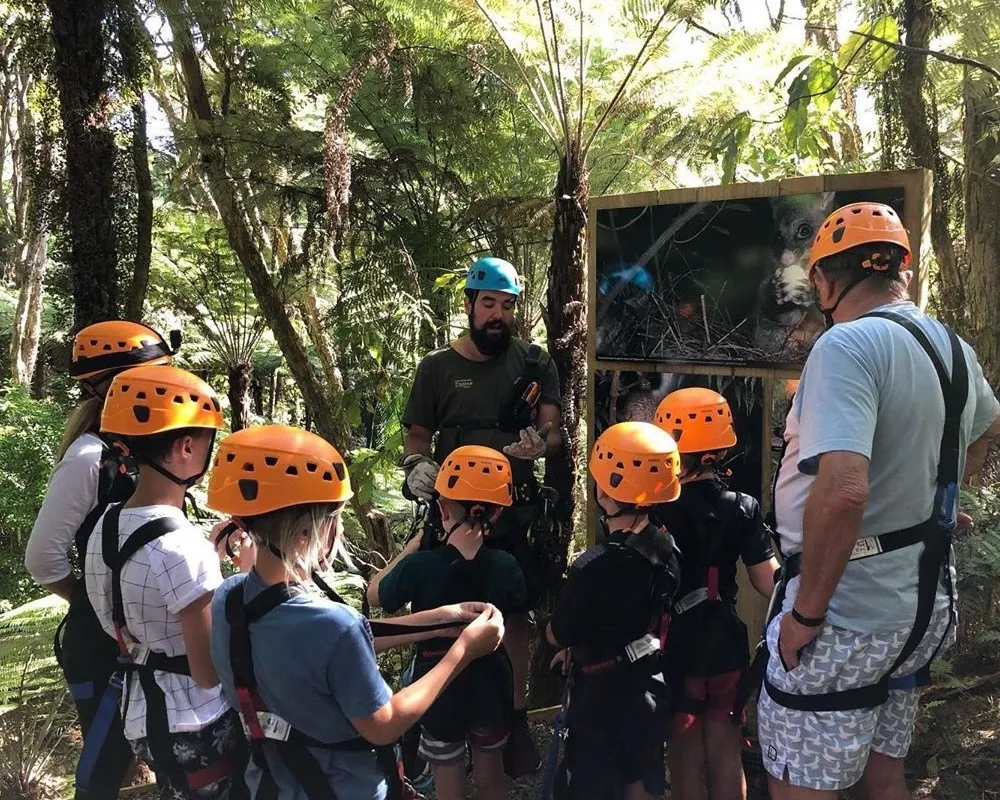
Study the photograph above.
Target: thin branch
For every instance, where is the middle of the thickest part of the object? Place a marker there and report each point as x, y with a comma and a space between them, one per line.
524, 74
625, 81
557, 88
905, 48
692, 24
563, 105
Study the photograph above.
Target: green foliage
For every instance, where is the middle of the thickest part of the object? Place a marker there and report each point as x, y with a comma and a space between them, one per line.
30, 431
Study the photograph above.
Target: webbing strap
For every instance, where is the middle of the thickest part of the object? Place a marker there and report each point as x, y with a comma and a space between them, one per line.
120, 360
935, 534
97, 735
116, 559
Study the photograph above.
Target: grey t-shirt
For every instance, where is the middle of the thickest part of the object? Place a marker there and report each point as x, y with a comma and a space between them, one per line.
455, 398
869, 388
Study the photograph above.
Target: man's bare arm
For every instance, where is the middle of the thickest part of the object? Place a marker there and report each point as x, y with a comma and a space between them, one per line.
418, 440
975, 456
830, 527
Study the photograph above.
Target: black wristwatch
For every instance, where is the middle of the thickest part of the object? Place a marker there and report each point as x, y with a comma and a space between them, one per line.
809, 622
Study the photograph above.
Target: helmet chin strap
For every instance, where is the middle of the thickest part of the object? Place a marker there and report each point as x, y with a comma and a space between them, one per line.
829, 312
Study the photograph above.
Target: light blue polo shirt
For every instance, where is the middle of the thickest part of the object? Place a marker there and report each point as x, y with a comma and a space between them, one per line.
869, 388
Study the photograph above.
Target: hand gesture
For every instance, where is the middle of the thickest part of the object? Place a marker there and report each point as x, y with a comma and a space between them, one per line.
531, 445
421, 472
482, 636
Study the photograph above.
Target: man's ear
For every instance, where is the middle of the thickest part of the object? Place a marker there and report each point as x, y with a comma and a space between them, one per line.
467, 303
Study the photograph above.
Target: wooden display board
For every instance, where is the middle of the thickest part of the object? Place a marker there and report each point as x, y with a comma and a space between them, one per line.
708, 282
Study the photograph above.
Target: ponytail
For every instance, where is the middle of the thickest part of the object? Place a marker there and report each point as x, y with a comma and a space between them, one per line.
86, 418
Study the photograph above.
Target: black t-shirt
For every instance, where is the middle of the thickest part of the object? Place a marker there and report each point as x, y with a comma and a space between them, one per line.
609, 598
450, 391
744, 536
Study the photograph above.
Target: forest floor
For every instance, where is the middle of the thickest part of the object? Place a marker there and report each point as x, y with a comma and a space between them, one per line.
955, 753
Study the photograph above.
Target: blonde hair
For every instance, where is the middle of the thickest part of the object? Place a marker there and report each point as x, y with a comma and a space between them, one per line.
280, 529
86, 418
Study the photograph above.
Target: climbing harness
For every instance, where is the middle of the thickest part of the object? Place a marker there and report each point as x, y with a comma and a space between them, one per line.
266, 728
143, 662
935, 534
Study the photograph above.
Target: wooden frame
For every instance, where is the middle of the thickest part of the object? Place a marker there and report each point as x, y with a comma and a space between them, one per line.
917, 187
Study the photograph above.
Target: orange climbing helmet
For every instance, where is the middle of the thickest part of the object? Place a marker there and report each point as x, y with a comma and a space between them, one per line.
147, 400
270, 467
637, 463
698, 419
476, 474
104, 348
856, 224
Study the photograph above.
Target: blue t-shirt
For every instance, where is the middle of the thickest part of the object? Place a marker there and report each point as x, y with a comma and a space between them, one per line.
315, 666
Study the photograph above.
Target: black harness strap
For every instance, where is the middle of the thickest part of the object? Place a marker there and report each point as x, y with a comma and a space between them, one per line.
291, 746
119, 360
157, 723
934, 534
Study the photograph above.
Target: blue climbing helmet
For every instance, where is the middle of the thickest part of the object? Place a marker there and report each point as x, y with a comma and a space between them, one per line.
490, 274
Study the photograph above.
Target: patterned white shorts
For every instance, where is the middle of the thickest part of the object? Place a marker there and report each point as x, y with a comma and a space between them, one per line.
828, 750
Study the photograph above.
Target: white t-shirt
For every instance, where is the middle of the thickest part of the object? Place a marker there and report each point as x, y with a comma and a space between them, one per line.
868, 387
158, 582
71, 495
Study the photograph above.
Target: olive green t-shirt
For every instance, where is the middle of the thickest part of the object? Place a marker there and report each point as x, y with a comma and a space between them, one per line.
450, 392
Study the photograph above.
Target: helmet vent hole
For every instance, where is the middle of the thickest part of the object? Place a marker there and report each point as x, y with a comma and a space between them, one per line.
677, 434
636, 463
215, 405
486, 470
122, 344
93, 342
838, 235
178, 399
230, 458
293, 470
339, 469
161, 390
140, 395
124, 388
840, 221
106, 347
876, 213
206, 406
328, 476
610, 455
471, 463
194, 398
270, 460
248, 488
708, 418
499, 467
615, 479
855, 210
620, 465
311, 467
452, 480
248, 466
693, 415
720, 411
141, 413
654, 468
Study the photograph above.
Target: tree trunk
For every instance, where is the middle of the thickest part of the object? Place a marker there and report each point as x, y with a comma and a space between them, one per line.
923, 142
239, 395
982, 233
79, 65
329, 419
566, 321
27, 330
144, 214
257, 396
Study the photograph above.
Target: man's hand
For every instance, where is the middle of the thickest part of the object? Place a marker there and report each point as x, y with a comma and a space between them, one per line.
421, 472
964, 523
560, 661
531, 445
792, 637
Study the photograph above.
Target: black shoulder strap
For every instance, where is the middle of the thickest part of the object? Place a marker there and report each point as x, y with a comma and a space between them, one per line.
108, 478
532, 363
955, 389
116, 559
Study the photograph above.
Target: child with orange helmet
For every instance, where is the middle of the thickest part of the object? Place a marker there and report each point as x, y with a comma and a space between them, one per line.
150, 578
707, 653
474, 485
612, 615
86, 478
300, 666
